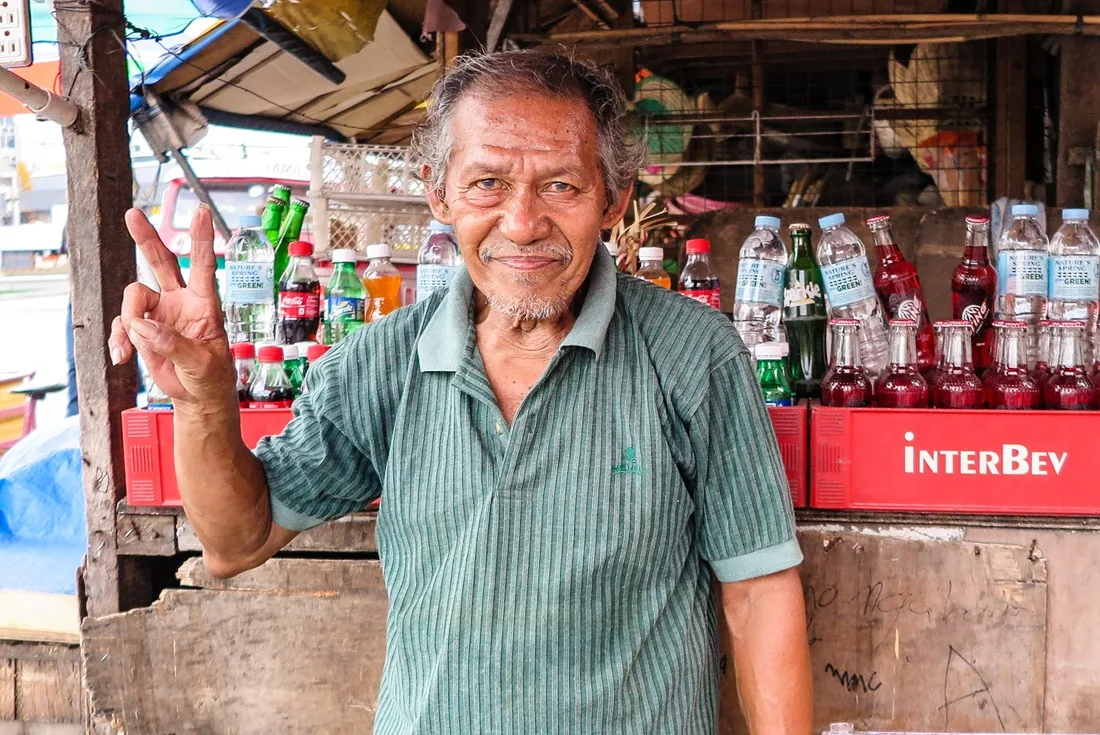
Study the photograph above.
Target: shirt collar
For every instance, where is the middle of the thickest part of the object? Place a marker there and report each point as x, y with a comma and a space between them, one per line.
441, 344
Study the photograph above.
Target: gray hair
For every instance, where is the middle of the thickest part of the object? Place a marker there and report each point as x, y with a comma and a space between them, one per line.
621, 155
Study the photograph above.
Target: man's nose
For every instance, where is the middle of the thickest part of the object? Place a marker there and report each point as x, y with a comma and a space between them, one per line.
524, 219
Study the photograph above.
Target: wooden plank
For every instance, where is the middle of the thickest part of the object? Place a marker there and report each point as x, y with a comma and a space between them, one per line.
1007, 157
39, 616
101, 257
147, 535
40, 728
247, 663
7, 689
333, 576
1079, 96
351, 534
48, 691
37, 651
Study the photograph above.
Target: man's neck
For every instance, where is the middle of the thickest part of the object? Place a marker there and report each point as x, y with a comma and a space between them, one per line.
522, 338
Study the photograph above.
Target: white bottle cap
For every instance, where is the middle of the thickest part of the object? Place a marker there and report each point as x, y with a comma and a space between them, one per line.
611, 247
344, 256
651, 253
769, 351
302, 347
381, 250
290, 352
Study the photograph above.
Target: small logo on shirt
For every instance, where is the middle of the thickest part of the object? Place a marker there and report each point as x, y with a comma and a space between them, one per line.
629, 464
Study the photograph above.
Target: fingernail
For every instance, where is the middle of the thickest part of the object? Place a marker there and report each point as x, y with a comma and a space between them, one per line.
205, 206
143, 328
116, 356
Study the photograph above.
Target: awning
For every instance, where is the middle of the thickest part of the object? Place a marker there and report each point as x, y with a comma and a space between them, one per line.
239, 78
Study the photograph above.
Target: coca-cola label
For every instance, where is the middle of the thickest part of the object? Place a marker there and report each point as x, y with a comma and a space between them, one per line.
1074, 277
299, 305
708, 296
848, 282
759, 282
1022, 273
270, 404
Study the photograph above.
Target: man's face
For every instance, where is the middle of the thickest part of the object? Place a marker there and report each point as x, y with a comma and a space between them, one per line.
526, 197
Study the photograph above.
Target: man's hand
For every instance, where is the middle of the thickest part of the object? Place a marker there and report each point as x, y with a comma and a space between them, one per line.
767, 625
180, 331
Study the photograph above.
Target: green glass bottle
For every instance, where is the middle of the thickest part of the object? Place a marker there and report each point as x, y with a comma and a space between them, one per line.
272, 218
804, 314
771, 372
290, 231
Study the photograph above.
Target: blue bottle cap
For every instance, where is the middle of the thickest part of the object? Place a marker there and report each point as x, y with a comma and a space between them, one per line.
831, 220
767, 222
1075, 214
248, 220
1025, 210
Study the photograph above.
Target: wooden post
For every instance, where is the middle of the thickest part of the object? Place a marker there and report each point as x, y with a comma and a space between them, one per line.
1080, 99
93, 74
1007, 156
757, 107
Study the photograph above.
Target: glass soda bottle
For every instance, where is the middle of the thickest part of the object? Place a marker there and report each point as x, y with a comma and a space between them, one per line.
805, 316
383, 283
956, 385
850, 289
845, 383
758, 298
293, 368
1068, 387
698, 280
771, 372
437, 261
1073, 278
250, 284
1022, 272
973, 287
651, 267
244, 364
1040, 369
898, 288
271, 387
931, 375
299, 296
290, 230
1011, 387
345, 297
278, 202
901, 384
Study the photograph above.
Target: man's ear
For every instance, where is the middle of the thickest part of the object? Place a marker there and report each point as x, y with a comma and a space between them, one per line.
615, 212
436, 201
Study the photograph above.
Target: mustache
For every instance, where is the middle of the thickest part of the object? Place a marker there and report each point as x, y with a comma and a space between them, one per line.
490, 251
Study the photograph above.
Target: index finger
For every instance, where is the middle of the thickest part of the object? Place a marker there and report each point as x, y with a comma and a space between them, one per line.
204, 264
165, 266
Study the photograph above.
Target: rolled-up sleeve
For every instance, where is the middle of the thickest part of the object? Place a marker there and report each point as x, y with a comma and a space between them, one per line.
315, 470
745, 523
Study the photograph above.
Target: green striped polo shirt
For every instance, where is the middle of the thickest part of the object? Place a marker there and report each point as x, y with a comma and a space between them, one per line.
552, 576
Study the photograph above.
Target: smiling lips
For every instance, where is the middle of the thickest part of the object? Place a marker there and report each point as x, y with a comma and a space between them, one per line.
526, 263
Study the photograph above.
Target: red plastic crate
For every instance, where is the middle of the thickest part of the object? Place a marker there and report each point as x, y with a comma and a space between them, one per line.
148, 446
996, 462
791, 424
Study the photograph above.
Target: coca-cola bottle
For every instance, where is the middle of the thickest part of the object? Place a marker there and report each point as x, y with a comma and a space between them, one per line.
271, 387
1068, 387
698, 280
957, 386
244, 363
973, 287
299, 296
900, 385
845, 384
1010, 386
898, 288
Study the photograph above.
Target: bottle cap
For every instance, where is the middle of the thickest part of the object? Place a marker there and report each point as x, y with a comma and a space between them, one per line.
1007, 324
436, 226
698, 245
1068, 325
1025, 210
844, 322
303, 347
381, 250
784, 348
651, 253
315, 352
271, 353
611, 248
877, 220
300, 249
977, 219
344, 256
766, 222
243, 351
248, 220
903, 323
300, 203
958, 323
769, 351
798, 226
290, 352
831, 220
1075, 214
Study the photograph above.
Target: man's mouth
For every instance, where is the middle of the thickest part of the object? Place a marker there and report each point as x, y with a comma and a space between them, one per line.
526, 263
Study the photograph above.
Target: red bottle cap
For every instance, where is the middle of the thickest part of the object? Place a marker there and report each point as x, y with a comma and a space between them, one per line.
902, 323
697, 245
243, 351
300, 248
314, 352
878, 219
977, 219
271, 353
844, 322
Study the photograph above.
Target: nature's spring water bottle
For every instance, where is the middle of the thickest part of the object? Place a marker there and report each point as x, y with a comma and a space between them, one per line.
850, 290
437, 261
1022, 273
250, 284
758, 300
1073, 275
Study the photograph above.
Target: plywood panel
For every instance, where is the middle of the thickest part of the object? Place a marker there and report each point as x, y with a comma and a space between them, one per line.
298, 575
38, 616
7, 689
48, 691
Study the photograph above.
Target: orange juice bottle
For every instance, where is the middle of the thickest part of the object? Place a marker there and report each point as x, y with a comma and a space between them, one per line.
650, 268
382, 281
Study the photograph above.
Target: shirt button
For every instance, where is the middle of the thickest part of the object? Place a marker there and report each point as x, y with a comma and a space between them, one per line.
499, 428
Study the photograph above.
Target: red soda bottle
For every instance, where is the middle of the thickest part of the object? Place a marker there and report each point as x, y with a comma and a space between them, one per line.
244, 363
957, 386
973, 286
898, 287
271, 387
932, 376
845, 384
299, 296
900, 385
1068, 387
1041, 369
698, 279
1011, 386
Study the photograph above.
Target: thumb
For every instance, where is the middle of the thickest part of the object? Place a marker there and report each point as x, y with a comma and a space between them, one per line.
159, 339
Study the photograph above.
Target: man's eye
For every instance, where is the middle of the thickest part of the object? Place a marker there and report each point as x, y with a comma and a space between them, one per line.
487, 184
560, 187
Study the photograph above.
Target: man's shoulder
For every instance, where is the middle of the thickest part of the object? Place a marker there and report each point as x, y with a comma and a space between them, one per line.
389, 343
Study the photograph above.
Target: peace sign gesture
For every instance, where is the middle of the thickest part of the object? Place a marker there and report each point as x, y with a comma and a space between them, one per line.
180, 331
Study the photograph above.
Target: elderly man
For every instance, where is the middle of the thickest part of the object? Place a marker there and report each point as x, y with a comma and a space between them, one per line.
566, 455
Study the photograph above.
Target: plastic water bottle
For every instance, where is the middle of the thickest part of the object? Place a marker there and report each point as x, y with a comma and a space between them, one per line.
1022, 273
850, 289
437, 261
758, 300
250, 284
1073, 275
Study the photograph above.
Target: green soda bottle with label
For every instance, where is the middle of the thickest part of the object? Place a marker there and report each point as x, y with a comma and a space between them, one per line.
805, 315
345, 298
278, 202
771, 372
